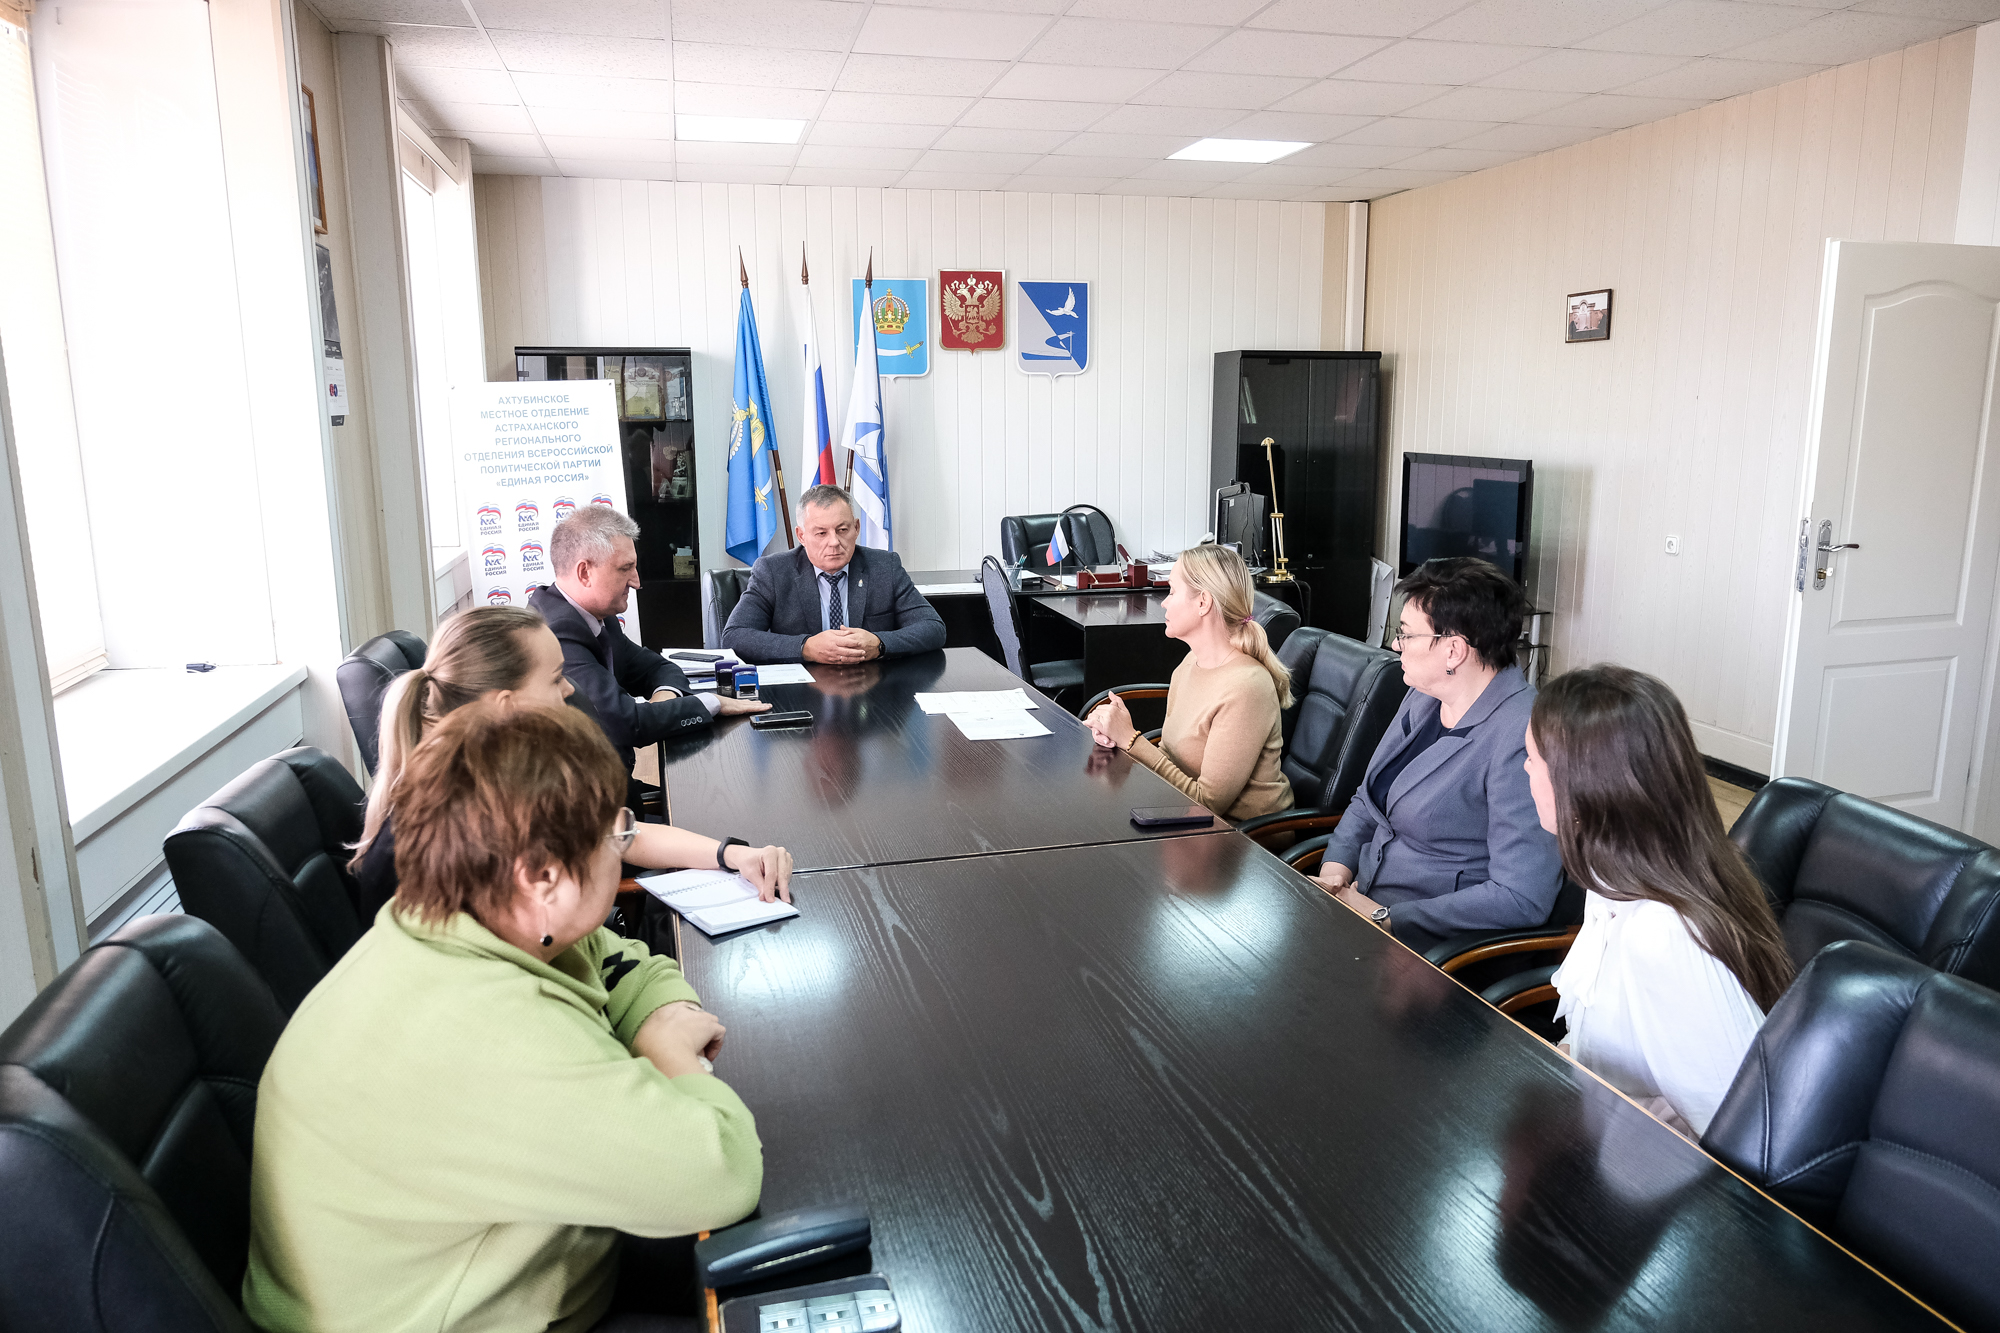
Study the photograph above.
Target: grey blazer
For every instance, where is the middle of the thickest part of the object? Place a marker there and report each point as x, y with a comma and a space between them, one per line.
780, 609
1460, 846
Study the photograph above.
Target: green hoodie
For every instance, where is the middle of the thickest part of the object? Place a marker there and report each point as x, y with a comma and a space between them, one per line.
450, 1134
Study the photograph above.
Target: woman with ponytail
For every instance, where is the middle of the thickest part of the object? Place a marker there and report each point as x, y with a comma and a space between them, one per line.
509, 656
1679, 955
1222, 739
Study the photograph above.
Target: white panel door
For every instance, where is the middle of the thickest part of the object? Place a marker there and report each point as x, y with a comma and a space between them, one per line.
1888, 676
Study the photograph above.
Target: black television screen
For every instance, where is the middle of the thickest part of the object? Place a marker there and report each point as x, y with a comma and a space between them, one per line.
1455, 504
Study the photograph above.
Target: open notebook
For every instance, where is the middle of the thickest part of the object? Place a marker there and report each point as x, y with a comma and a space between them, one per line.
715, 901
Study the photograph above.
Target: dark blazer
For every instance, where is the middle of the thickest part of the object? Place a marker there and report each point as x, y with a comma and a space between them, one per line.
780, 609
610, 669
1460, 846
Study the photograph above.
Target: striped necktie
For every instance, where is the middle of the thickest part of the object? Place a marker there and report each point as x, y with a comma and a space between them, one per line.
834, 618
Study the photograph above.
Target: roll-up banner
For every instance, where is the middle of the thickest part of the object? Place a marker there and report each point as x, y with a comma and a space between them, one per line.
528, 454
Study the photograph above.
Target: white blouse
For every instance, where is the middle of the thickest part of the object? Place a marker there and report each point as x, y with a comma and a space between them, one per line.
1653, 1013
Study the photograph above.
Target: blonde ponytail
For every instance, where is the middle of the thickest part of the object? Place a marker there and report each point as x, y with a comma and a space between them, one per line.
476, 652
1221, 573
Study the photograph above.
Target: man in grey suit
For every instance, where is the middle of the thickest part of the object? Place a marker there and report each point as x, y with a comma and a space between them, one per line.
829, 600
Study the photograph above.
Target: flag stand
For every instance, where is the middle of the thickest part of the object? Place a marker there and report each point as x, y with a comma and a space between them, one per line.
777, 455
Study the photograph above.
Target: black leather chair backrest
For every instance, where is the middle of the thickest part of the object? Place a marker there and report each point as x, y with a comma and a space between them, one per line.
1867, 1105
128, 1090
364, 678
264, 861
1276, 616
1092, 538
1006, 616
1027, 534
725, 590
1344, 695
1841, 867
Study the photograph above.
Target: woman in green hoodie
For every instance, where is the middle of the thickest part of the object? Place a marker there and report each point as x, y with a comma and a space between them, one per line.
490, 1087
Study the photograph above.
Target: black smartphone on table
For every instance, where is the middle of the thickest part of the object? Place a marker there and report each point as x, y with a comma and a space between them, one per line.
771, 721
1172, 816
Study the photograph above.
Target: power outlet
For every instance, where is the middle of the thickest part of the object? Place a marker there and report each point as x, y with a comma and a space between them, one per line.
1673, 543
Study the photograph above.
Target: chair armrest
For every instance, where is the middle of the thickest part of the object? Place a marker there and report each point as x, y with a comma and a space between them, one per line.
1523, 990
1305, 857
1149, 690
1465, 948
1302, 819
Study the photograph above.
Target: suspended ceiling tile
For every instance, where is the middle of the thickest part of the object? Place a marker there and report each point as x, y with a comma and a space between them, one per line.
1293, 125
443, 48
434, 84
1056, 165
1358, 18
1281, 176
342, 14
1080, 41
1047, 184
1614, 111
1713, 78
1489, 104
488, 144
487, 165
1530, 138
1416, 61
600, 18
575, 53
1150, 146
956, 180
1536, 22
730, 99
977, 140
610, 169
1007, 113
1459, 159
606, 94
1250, 92
1214, 172
570, 122
1230, 12
565, 147
755, 67
1196, 122
1350, 156
898, 160
722, 173
461, 118
1011, 6
1011, 164
1240, 190
738, 154
1300, 54
862, 177
894, 108
1584, 71
1836, 39
1700, 27
846, 134
1346, 97
900, 30
813, 25
1072, 83
1410, 132
1965, 11
925, 75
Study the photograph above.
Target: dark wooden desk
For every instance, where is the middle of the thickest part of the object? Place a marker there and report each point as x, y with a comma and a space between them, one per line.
1124, 636
877, 780
1171, 1086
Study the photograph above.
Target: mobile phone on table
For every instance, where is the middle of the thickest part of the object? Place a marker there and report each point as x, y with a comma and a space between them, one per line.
696, 657
771, 721
1172, 816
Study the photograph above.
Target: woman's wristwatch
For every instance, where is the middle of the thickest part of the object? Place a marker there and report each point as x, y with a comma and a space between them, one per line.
724, 846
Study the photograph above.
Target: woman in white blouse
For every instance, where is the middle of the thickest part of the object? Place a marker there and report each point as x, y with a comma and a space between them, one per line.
1679, 955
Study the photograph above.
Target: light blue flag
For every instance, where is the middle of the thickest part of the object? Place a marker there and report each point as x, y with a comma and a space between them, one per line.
863, 435
753, 510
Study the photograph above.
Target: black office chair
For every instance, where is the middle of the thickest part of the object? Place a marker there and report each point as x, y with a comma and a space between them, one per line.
1093, 541
1029, 535
128, 1090
1051, 677
1279, 618
721, 590
364, 678
264, 861
1867, 1105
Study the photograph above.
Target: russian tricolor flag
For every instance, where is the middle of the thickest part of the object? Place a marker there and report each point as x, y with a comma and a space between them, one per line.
818, 433
1058, 548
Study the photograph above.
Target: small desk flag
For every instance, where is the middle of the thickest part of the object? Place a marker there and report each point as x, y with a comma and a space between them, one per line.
1058, 548
753, 509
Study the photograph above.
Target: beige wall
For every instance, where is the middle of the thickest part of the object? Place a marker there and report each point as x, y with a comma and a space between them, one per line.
1710, 228
359, 510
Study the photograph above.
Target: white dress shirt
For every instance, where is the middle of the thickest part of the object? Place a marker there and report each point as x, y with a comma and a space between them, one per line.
1653, 1013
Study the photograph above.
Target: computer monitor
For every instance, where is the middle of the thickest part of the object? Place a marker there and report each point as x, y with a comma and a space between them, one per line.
1239, 522
1457, 504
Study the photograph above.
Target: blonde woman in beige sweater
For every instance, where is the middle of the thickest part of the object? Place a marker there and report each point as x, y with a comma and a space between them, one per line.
1222, 739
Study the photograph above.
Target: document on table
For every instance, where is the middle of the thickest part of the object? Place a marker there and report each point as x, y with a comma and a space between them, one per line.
974, 701
997, 724
784, 673
716, 901
948, 589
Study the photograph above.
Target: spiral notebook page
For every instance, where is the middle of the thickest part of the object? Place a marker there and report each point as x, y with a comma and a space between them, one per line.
715, 901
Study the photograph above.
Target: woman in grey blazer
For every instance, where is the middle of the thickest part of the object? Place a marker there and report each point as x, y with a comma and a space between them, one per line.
1442, 834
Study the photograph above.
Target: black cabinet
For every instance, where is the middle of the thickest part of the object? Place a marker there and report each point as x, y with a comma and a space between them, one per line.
1320, 410
655, 388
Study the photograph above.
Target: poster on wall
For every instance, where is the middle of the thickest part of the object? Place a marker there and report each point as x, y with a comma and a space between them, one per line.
527, 455
902, 309
329, 333
972, 309
1054, 333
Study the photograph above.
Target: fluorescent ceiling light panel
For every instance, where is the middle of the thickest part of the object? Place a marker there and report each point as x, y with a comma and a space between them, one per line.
1238, 150
736, 129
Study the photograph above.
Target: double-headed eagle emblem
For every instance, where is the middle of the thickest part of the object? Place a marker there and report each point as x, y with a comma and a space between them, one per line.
972, 305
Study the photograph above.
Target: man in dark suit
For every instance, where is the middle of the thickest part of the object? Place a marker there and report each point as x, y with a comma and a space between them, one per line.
827, 600
597, 567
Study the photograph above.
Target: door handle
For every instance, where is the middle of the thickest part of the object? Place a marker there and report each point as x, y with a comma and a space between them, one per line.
1827, 547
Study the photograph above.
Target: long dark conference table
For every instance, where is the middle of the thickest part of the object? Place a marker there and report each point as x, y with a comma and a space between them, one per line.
1087, 1078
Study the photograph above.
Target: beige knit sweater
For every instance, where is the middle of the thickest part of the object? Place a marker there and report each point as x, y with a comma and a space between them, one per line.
1222, 739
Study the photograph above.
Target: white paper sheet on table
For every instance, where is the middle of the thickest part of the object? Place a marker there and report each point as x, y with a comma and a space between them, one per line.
715, 901
722, 656
974, 701
948, 589
999, 724
784, 673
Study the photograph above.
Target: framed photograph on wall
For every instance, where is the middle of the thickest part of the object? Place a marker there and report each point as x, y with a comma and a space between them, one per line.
315, 187
1588, 319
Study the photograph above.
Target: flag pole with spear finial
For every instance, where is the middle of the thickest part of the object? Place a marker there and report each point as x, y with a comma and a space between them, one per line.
777, 455
867, 328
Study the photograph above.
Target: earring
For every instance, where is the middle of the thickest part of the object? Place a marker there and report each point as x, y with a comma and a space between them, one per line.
547, 940
1451, 671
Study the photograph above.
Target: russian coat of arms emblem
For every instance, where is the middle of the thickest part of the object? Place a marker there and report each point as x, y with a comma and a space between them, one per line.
972, 305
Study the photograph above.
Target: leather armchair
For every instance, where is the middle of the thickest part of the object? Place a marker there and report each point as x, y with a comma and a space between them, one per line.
1053, 677
1840, 867
128, 1090
1092, 538
722, 589
1279, 618
264, 861
1867, 1106
1344, 695
1027, 534
364, 678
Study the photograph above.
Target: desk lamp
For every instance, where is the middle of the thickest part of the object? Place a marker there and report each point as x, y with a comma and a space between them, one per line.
1278, 573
